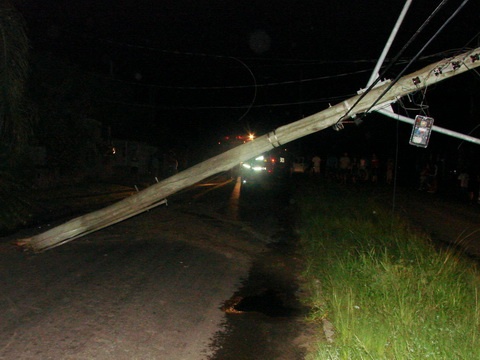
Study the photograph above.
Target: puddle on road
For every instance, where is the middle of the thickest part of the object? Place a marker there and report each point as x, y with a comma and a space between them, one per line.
270, 303
264, 318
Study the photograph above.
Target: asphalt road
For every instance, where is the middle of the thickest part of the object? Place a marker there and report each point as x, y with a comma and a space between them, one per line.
151, 287
132, 291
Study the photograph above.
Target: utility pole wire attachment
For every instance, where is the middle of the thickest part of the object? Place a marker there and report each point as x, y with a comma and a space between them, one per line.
417, 55
425, 23
275, 143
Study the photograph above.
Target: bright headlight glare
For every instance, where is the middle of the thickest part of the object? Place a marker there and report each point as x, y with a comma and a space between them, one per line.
259, 168
246, 166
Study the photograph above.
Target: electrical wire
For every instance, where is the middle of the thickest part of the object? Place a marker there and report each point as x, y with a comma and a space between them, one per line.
471, 131
255, 88
400, 53
233, 87
417, 56
220, 107
419, 107
290, 62
282, 61
395, 171
299, 62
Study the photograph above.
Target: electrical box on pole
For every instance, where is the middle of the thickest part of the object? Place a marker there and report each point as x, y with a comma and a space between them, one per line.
422, 128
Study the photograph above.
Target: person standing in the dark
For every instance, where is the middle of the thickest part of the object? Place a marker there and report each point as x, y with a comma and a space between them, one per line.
432, 178
474, 187
171, 163
345, 166
316, 160
390, 171
374, 167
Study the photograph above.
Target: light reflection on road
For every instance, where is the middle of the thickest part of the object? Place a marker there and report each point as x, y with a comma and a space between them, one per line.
234, 200
213, 184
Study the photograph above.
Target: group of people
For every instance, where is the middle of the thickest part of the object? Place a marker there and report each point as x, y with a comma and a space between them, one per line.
430, 175
353, 169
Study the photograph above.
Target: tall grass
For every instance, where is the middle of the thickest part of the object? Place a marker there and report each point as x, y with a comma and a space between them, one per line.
389, 293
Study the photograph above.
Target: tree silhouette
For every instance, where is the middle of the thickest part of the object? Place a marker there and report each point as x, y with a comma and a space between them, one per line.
15, 122
14, 119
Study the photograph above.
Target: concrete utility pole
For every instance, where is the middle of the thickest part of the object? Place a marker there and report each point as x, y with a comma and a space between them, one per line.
155, 194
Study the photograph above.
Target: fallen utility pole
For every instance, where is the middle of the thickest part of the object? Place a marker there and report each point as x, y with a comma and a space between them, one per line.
156, 194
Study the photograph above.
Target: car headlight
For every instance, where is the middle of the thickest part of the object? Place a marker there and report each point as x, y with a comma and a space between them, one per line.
259, 168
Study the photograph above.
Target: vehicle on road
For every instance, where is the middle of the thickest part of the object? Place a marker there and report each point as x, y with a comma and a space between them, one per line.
266, 171
257, 171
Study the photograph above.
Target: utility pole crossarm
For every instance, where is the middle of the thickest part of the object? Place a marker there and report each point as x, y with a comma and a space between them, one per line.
153, 195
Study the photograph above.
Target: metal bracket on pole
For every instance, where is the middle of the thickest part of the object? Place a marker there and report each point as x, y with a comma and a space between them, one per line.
273, 139
339, 124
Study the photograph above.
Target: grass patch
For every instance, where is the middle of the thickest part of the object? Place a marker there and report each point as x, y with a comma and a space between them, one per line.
389, 293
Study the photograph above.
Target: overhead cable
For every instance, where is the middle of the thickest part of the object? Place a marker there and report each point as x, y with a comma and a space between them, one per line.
399, 54
219, 107
417, 56
226, 87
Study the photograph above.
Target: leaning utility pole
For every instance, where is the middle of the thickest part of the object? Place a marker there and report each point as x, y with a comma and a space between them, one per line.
155, 194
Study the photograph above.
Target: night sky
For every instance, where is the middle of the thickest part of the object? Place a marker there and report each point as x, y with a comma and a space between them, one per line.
204, 69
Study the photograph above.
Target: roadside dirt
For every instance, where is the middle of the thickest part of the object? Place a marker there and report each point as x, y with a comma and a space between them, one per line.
446, 219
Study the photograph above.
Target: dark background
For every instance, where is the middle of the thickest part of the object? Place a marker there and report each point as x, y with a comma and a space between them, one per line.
183, 73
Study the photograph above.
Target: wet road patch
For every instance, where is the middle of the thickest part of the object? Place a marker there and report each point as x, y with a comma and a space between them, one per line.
264, 318
269, 302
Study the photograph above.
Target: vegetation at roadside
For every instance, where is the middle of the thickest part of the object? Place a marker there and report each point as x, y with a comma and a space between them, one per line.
16, 119
387, 291
46, 103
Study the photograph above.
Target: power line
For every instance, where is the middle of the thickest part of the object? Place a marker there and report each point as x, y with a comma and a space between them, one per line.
417, 56
269, 84
227, 87
282, 61
255, 89
220, 107
399, 54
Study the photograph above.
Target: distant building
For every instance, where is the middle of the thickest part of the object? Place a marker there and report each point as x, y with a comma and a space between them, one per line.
132, 157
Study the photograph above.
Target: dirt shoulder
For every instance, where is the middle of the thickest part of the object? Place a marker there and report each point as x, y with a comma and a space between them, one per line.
443, 217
